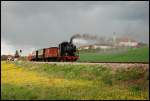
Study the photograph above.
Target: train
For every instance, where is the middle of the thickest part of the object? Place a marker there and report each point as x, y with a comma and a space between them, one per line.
66, 51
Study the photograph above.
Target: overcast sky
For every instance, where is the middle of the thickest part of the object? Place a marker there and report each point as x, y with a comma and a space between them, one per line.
30, 25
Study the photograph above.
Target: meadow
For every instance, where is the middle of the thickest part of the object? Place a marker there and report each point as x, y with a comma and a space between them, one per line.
28, 81
117, 55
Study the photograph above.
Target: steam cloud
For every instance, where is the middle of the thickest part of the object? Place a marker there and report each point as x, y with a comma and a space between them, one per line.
84, 36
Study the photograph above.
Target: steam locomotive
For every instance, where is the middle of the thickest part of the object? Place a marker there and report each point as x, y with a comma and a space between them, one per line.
66, 51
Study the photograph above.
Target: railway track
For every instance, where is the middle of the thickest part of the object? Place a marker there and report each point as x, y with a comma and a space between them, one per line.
119, 62
106, 64
94, 62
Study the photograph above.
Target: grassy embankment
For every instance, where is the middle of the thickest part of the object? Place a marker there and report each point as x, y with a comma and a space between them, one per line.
118, 55
44, 81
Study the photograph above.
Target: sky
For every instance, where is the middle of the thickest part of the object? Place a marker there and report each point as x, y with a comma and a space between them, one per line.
30, 25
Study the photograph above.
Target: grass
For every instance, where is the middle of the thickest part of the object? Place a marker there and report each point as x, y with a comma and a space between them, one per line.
29, 81
130, 55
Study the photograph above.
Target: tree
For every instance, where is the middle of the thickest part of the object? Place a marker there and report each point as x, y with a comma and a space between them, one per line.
20, 51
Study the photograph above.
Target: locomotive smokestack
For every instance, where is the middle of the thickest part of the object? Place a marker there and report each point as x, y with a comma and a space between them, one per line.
71, 39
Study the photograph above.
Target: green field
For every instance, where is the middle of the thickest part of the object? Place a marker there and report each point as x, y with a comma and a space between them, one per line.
28, 81
130, 55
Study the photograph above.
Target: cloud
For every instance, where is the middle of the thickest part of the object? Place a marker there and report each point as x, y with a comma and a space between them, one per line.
36, 24
6, 48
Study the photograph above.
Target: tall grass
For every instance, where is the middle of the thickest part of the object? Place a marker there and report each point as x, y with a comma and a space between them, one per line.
29, 81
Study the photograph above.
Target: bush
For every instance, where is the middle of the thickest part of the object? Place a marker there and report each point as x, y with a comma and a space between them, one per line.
130, 74
135, 88
107, 79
